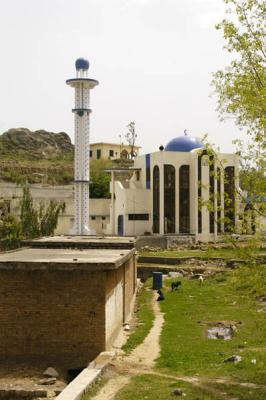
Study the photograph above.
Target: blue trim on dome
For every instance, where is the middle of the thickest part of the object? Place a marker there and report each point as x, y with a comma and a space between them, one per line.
82, 63
184, 144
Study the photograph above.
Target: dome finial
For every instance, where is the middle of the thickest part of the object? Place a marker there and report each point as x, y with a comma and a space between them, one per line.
185, 132
82, 64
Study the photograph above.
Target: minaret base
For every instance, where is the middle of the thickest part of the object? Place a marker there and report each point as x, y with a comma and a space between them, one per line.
85, 232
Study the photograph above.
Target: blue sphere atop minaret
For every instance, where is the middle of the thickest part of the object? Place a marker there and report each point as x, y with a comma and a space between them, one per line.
82, 63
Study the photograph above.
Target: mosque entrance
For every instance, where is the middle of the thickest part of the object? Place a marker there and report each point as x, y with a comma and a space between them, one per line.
120, 225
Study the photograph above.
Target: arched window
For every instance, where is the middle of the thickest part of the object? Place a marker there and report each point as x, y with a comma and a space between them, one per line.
229, 199
156, 199
219, 201
184, 215
169, 199
202, 153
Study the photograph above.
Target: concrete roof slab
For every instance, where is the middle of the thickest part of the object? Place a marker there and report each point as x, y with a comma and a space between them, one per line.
65, 259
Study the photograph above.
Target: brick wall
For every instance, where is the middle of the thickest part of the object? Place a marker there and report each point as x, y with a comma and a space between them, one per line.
58, 316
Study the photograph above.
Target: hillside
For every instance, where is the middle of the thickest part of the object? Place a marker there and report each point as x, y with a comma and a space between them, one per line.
48, 158
23, 143
38, 157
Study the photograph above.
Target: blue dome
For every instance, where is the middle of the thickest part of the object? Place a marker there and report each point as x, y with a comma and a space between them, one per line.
81, 63
184, 143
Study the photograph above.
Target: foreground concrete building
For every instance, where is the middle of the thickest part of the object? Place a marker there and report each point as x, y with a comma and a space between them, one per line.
179, 190
65, 300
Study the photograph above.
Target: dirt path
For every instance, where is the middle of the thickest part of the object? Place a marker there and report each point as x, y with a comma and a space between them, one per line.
142, 358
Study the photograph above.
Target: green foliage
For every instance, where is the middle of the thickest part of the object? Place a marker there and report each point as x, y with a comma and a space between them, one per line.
252, 175
144, 316
33, 222
10, 231
100, 180
38, 222
241, 86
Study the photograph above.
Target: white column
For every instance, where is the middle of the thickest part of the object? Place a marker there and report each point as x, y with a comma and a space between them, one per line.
193, 194
112, 216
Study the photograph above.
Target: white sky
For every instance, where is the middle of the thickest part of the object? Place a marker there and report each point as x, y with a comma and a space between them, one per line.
153, 58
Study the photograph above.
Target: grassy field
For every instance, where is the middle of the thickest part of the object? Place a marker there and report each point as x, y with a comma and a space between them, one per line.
150, 387
189, 312
227, 253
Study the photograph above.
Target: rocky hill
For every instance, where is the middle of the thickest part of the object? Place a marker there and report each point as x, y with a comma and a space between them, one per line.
36, 157
24, 144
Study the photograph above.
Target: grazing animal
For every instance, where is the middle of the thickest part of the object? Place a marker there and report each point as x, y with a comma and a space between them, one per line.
201, 280
175, 285
161, 295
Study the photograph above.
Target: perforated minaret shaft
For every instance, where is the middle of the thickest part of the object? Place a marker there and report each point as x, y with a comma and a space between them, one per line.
82, 85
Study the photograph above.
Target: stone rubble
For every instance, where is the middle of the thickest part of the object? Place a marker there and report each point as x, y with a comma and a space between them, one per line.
234, 359
51, 372
47, 381
178, 392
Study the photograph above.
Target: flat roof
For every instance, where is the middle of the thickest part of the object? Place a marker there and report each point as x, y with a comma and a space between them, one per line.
83, 242
115, 144
90, 260
122, 169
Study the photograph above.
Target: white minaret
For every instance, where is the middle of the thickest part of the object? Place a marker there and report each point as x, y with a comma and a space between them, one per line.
82, 85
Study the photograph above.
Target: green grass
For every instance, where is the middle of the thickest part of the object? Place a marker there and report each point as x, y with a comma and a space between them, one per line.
185, 348
145, 318
150, 387
226, 253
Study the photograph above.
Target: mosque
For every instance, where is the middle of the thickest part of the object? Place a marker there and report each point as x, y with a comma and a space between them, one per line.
182, 189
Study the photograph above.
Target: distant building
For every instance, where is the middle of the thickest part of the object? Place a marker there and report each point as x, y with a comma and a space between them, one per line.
111, 151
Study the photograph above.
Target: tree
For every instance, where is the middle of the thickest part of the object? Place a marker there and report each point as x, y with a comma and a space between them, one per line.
33, 221
241, 90
131, 137
10, 231
41, 221
100, 180
241, 87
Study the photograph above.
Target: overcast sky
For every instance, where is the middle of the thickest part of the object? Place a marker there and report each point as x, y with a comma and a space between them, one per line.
153, 58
